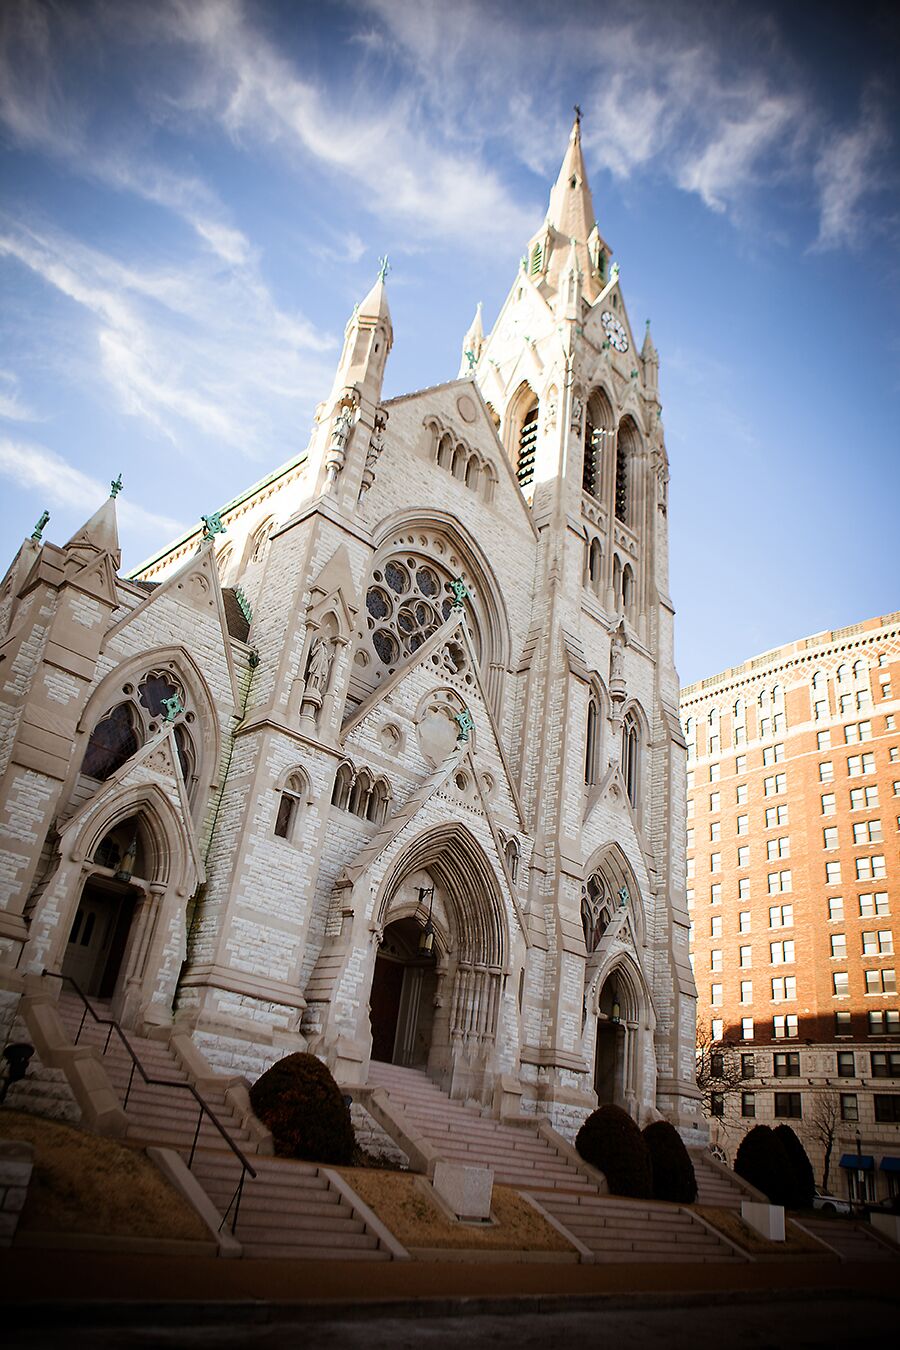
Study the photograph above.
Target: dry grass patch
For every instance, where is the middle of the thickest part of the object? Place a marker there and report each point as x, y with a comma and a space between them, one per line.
729, 1222
87, 1183
416, 1220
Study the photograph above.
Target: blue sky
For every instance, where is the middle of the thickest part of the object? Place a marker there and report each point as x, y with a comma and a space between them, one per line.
195, 193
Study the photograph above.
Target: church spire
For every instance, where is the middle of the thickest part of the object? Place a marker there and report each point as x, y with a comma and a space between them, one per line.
571, 210
570, 221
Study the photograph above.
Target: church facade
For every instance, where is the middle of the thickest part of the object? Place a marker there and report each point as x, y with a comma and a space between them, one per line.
384, 761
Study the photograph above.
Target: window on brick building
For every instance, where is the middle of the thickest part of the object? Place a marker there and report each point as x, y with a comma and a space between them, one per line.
884, 1022
781, 916
748, 1064
717, 1104
746, 1028
870, 869
846, 1064
740, 763
823, 740
842, 1024
788, 1105
717, 1027
748, 1105
880, 943
785, 1026
740, 794
786, 1064
715, 830
715, 995
887, 1109
744, 921
714, 773
881, 981
780, 882
781, 953
826, 771
867, 832
714, 799
715, 862
746, 957
836, 909
830, 836
849, 1106
715, 926
743, 856
839, 946
715, 893
778, 848
828, 804
885, 1064
746, 991
715, 959
784, 989
840, 984
832, 874
742, 825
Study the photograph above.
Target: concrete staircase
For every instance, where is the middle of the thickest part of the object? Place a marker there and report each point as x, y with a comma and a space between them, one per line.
291, 1209
160, 1115
609, 1227
717, 1187
519, 1157
852, 1241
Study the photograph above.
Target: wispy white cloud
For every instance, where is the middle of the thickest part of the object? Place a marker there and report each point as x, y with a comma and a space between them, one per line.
12, 407
34, 467
183, 348
849, 169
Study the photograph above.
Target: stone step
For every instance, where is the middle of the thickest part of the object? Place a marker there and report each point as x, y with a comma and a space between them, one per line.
276, 1250
303, 1227
279, 1211
226, 1169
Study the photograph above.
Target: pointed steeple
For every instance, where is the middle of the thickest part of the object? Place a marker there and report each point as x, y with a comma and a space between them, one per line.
650, 361
100, 534
648, 351
569, 222
472, 345
571, 210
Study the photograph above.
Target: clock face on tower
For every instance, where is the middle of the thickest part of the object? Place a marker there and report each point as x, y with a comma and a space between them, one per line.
614, 331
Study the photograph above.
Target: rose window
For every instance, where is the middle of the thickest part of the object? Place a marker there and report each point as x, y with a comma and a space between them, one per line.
408, 600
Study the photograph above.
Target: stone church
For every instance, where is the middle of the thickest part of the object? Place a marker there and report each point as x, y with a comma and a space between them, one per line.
383, 760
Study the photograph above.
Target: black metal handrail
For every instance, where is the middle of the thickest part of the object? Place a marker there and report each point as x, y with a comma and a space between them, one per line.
164, 1082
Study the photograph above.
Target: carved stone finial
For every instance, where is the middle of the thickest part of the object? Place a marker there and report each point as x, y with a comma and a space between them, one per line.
173, 707
116, 486
466, 723
460, 592
212, 525
40, 526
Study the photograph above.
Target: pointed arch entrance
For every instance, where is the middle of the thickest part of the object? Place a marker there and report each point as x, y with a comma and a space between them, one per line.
439, 974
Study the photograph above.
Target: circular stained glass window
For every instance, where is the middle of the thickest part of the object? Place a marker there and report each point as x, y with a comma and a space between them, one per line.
377, 603
385, 646
397, 577
426, 581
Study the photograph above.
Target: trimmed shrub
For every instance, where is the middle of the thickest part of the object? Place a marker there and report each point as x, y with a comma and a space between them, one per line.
302, 1105
670, 1164
610, 1141
804, 1187
762, 1161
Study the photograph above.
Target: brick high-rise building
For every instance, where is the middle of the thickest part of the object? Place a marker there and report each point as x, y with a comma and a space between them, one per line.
794, 893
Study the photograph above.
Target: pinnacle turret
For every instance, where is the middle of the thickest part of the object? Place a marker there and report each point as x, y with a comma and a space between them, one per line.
472, 345
99, 534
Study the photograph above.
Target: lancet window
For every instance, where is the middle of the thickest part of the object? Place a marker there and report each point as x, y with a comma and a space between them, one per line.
128, 725
596, 911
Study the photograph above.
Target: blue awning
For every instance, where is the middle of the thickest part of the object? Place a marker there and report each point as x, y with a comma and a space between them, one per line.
858, 1162
890, 1164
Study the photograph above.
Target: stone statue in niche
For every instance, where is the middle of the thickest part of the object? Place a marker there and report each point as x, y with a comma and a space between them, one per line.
341, 429
577, 411
617, 659
318, 666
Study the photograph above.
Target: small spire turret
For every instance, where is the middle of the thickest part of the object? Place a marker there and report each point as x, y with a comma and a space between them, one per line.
473, 344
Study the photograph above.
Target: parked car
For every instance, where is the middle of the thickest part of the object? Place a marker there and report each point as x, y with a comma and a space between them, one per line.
831, 1204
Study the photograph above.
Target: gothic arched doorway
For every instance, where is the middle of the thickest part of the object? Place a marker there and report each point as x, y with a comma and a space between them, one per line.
609, 1058
401, 1002
100, 931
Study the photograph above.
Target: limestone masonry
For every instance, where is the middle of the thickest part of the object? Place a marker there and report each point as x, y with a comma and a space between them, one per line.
384, 760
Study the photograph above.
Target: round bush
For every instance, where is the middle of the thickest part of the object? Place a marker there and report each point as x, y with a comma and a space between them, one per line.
804, 1182
610, 1141
302, 1105
762, 1161
670, 1164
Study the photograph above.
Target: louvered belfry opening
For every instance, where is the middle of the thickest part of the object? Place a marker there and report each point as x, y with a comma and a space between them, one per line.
527, 447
